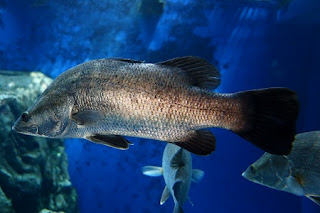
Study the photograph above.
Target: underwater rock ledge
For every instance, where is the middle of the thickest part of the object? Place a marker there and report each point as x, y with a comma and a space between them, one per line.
33, 171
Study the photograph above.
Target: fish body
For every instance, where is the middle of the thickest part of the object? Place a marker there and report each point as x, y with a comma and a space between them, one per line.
297, 173
102, 100
177, 173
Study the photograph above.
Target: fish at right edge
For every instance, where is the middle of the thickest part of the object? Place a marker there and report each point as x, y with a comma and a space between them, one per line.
297, 173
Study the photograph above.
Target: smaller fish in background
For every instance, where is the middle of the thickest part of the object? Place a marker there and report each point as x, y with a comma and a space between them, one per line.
297, 173
177, 173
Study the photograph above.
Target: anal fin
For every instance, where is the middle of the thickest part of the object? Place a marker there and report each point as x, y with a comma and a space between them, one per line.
114, 141
199, 142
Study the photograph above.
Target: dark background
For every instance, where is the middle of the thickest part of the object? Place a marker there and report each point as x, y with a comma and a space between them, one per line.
255, 44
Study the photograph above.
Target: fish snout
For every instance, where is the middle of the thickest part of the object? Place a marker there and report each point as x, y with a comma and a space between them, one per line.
15, 126
27, 129
245, 175
250, 172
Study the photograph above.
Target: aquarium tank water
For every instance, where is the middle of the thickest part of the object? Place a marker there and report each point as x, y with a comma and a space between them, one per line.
253, 43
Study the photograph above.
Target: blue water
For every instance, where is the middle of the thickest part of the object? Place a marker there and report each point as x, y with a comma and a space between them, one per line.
254, 44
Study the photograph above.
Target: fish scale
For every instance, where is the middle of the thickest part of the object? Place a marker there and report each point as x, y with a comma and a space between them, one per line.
183, 111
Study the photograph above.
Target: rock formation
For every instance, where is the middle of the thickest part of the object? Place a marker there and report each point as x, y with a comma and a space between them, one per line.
33, 171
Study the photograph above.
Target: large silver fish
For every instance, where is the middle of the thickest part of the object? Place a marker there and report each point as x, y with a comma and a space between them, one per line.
177, 173
297, 173
103, 100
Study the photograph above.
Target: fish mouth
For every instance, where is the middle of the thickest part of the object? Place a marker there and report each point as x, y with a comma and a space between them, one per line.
247, 175
31, 130
253, 178
16, 128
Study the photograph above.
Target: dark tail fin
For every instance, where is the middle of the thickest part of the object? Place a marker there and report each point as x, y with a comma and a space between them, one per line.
271, 116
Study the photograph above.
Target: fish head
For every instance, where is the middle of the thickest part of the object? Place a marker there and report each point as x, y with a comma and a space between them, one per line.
269, 170
48, 117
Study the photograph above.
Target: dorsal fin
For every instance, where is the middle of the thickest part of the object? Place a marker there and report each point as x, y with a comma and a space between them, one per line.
176, 161
127, 60
202, 73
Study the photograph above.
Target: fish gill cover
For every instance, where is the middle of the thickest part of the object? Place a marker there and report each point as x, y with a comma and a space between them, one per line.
255, 44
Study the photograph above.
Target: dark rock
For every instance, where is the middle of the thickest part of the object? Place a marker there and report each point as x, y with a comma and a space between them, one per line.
5, 203
33, 171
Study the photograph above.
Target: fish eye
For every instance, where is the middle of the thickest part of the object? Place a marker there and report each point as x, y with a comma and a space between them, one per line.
253, 169
25, 117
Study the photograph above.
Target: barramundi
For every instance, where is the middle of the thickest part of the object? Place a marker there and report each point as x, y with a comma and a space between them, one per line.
103, 100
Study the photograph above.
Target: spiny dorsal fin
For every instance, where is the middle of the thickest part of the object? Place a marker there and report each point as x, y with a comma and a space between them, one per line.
127, 60
202, 73
200, 142
176, 161
180, 174
114, 141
